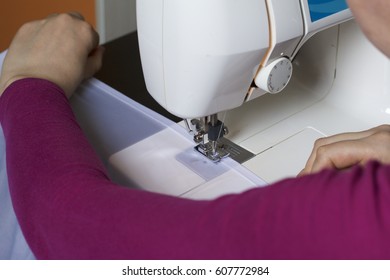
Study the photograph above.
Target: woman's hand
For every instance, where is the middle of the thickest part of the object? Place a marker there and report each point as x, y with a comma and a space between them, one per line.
345, 150
62, 48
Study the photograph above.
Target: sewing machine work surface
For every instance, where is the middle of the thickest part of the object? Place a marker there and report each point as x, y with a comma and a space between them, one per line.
145, 150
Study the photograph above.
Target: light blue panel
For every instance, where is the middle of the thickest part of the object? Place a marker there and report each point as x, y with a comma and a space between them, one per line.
320, 9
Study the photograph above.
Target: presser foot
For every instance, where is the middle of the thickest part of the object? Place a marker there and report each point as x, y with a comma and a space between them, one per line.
225, 148
215, 154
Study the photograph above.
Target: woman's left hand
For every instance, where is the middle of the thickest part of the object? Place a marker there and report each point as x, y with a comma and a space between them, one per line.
61, 48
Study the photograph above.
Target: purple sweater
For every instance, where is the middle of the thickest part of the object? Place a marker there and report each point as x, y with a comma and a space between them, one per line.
68, 208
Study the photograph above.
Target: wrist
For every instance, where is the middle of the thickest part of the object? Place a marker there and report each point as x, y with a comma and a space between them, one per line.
5, 83
32, 82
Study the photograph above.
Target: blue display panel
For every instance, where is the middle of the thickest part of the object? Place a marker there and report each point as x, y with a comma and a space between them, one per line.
320, 9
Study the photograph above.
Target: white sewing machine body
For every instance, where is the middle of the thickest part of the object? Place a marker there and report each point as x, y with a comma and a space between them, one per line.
341, 83
203, 57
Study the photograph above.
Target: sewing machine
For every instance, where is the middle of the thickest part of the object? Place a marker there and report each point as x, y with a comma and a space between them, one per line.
279, 73
204, 57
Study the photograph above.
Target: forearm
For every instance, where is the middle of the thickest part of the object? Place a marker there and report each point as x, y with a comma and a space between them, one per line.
68, 208
65, 203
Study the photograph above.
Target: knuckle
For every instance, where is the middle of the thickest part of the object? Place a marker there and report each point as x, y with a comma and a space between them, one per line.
320, 142
64, 17
384, 127
321, 151
69, 19
383, 136
27, 27
87, 30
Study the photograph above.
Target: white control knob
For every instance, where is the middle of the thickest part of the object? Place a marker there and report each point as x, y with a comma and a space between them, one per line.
274, 77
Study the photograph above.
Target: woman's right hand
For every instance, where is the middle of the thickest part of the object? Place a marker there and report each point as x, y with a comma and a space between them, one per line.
345, 150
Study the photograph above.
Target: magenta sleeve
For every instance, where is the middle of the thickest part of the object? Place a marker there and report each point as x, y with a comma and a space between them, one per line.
68, 208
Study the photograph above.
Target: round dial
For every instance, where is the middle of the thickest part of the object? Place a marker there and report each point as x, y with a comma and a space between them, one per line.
274, 77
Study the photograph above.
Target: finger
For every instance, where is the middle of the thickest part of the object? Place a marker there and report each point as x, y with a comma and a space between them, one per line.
94, 62
334, 139
96, 38
339, 155
313, 155
88, 36
93, 47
